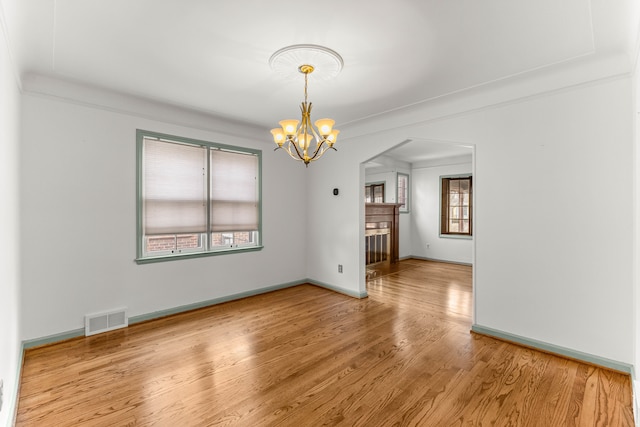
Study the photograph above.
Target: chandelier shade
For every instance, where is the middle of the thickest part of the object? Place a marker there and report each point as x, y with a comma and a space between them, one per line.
296, 136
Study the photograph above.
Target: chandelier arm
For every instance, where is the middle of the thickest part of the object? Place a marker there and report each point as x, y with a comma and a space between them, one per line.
319, 139
320, 151
295, 146
290, 153
320, 144
293, 140
321, 147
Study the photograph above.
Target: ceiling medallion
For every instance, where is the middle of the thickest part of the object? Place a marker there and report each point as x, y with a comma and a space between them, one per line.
296, 140
327, 63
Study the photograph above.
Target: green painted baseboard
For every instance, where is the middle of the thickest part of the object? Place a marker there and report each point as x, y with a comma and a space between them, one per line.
63, 336
188, 307
555, 349
339, 289
207, 303
439, 260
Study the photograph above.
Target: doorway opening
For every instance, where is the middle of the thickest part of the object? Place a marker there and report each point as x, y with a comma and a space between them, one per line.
411, 175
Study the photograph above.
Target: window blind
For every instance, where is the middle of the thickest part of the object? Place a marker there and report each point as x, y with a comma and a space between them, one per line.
234, 191
175, 188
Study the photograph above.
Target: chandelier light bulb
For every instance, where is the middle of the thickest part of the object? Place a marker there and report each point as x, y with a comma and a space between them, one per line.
278, 136
325, 126
331, 139
289, 126
304, 140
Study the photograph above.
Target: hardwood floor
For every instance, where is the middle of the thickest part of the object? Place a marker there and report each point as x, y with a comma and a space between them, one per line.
306, 356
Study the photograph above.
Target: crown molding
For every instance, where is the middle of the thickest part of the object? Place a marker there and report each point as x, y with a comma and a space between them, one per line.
104, 99
580, 72
4, 29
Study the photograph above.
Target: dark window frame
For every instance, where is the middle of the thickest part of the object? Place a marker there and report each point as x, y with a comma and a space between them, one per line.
370, 189
446, 205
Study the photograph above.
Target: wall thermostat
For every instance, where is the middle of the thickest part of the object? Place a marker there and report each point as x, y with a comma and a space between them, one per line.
335, 191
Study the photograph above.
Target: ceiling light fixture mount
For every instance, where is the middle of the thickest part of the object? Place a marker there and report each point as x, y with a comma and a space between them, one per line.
296, 140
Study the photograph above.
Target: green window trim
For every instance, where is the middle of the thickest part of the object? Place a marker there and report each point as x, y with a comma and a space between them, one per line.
152, 260
206, 249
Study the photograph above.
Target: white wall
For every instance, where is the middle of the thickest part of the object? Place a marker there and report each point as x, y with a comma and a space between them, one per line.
636, 213
333, 237
389, 180
425, 223
405, 238
9, 226
78, 230
560, 271
386, 171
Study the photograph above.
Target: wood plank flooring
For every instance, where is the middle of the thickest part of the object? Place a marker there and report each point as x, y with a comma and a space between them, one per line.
306, 356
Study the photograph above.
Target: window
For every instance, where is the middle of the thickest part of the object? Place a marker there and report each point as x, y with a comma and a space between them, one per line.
195, 198
403, 192
456, 209
374, 193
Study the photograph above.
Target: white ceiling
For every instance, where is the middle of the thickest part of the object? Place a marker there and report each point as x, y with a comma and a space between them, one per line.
414, 151
213, 56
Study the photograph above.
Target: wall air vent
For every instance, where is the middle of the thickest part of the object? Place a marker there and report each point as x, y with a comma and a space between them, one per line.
106, 321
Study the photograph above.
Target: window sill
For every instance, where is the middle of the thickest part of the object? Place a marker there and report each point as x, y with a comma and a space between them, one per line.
456, 236
150, 260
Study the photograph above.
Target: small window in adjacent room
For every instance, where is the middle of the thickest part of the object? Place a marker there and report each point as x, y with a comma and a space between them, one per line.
374, 193
456, 206
195, 198
403, 192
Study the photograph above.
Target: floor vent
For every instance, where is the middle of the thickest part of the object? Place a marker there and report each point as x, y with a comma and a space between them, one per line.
105, 321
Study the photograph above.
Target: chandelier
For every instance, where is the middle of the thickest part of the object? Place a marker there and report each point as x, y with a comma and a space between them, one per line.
297, 137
